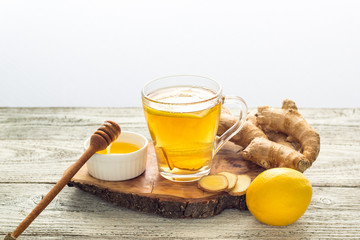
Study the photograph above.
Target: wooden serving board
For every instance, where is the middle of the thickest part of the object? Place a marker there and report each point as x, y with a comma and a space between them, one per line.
153, 194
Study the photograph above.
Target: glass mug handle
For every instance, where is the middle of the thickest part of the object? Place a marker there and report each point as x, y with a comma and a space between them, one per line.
228, 134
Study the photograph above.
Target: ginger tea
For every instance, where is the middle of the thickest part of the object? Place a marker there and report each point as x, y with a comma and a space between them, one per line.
183, 129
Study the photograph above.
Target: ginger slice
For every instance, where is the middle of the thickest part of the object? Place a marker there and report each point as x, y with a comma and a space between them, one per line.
160, 152
213, 183
242, 184
232, 178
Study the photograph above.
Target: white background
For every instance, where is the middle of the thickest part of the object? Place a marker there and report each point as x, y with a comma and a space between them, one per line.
101, 53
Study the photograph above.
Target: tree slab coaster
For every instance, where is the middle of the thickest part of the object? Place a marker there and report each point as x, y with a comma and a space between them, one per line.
152, 193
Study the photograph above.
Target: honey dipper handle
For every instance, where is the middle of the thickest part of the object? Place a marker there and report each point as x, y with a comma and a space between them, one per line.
69, 173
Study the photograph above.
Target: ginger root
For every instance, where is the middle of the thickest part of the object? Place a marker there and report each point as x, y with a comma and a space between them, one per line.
283, 139
289, 121
268, 154
247, 133
275, 137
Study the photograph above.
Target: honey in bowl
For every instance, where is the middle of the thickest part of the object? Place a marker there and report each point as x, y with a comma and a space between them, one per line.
119, 147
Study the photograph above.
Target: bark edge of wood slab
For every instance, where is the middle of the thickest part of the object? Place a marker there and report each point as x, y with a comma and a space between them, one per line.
151, 193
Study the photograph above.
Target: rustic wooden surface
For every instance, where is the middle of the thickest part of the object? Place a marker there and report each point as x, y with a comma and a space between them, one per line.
38, 144
152, 193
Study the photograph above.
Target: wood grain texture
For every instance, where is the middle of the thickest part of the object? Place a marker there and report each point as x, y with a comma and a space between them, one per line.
152, 193
330, 215
36, 140
38, 144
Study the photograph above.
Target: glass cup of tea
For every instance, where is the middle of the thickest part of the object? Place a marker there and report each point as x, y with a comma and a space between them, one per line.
182, 113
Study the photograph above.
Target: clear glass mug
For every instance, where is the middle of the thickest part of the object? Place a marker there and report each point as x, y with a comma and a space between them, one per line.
182, 113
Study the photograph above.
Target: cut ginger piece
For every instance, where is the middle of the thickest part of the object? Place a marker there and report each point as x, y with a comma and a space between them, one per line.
232, 179
242, 184
213, 183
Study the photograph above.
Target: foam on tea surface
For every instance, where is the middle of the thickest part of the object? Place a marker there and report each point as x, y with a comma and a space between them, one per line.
193, 99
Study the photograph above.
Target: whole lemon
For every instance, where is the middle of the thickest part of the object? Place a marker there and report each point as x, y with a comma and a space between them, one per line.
279, 196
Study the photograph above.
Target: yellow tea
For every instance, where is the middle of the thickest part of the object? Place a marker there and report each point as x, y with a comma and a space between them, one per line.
119, 147
183, 134
183, 113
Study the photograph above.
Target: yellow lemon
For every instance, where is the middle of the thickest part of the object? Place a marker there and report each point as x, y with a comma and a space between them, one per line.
279, 196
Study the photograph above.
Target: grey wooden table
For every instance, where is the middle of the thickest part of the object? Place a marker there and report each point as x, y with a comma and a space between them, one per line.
38, 144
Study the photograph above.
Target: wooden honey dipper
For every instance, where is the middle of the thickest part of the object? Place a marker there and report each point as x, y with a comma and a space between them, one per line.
100, 140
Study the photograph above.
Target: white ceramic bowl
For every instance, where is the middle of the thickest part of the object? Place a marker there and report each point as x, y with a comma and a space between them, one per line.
119, 167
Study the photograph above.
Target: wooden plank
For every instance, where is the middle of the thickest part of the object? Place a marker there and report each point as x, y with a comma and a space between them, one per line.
333, 213
63, 123
38, 144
